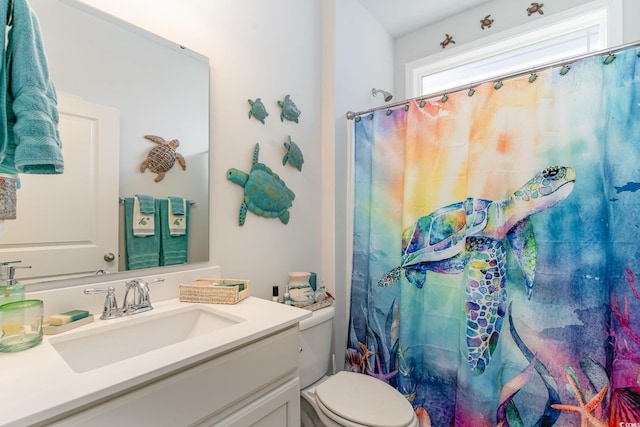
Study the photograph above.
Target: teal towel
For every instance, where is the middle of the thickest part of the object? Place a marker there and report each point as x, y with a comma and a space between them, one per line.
173, 249
176, 205
147, 204
29, 137
142, 252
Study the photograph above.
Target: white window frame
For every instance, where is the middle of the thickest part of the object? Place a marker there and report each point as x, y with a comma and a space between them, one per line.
606, 14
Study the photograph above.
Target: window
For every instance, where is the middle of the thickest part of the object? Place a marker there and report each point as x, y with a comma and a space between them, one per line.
589, 28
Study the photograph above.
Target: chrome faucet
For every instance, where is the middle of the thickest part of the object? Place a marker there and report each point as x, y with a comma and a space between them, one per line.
136, 299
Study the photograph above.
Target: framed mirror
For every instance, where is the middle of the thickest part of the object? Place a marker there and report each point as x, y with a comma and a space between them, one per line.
116, 83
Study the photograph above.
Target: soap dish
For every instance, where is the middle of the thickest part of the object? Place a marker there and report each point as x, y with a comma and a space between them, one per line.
48, 329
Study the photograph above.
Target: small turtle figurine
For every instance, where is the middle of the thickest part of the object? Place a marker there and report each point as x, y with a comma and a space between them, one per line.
535, 7
258, 110
162, 157
289, 110
486, 22
293, 155
265, 194
448, 39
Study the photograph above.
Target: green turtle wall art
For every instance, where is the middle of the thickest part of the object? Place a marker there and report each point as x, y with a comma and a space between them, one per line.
265, 194
289, 110
293, 155
469, 235
257, 110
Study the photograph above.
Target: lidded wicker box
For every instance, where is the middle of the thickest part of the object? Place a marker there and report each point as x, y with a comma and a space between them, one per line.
214, 291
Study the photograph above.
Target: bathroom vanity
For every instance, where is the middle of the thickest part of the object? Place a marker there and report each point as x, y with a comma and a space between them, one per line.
176, 365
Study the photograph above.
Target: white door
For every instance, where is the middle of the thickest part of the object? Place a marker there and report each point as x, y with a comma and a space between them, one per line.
67, 223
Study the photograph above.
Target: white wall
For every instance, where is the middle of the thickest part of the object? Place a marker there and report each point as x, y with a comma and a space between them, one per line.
256, 49
507, 15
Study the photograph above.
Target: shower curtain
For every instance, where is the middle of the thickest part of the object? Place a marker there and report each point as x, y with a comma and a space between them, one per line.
496, 270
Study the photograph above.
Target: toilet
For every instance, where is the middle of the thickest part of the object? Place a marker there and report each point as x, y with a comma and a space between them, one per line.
345, 399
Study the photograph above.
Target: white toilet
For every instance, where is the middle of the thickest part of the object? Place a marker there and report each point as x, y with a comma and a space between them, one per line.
346, 399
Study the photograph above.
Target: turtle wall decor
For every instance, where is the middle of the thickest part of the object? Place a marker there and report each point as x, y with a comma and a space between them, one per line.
447, 39
293, 155
162, 157
535, 7
265, 194
258, 110
486, 22
289, 109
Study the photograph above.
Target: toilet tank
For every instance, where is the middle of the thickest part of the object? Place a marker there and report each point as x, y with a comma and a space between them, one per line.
315, 336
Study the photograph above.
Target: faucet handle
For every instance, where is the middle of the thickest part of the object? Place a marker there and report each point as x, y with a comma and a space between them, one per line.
144, 291
141, 301
110, 309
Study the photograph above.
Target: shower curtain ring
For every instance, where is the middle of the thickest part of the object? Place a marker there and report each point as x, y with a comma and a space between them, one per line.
609, 59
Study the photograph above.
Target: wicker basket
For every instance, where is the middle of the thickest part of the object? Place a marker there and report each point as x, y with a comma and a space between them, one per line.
204, 291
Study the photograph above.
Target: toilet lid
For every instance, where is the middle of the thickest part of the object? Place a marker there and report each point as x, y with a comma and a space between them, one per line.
364, 400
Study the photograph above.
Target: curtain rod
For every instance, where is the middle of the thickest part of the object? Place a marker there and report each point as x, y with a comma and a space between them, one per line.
611, 51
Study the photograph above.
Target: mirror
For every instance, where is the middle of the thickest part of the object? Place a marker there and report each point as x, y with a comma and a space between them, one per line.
116, 83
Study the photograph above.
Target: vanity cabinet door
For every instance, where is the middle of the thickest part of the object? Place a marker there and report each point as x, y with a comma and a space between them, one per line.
279, 408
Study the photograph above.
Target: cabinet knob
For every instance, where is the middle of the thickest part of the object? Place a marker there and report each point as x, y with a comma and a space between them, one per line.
109, 257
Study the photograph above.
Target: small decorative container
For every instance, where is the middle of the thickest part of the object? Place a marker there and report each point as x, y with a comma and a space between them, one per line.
20, 325
300, 290
214, 291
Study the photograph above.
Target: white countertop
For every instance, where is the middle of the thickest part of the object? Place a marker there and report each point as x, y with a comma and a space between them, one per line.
38, 384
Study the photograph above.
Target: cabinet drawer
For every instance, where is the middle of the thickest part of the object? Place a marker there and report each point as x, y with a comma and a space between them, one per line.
197, 393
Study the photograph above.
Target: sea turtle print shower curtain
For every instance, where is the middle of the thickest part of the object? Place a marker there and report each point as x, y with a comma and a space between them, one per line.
496, 249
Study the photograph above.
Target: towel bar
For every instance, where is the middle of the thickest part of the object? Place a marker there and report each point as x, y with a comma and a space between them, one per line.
121, 201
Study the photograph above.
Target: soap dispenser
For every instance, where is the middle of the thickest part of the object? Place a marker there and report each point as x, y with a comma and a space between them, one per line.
10, 289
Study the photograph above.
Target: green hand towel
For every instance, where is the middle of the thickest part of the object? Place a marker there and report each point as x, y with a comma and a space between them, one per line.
147, 204
142, 252
173, 249
177, 205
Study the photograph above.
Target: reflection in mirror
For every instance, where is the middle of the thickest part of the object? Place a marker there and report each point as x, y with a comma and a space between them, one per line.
116, 83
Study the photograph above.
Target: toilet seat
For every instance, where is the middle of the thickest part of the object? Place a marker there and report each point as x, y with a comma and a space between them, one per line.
356, 400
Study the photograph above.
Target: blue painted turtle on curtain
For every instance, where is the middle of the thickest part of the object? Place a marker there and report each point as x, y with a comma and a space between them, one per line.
469, 234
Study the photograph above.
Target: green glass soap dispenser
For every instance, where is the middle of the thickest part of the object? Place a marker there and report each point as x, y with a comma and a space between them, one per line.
10, 289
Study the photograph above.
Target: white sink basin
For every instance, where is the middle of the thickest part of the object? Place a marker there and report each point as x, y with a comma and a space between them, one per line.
131, 336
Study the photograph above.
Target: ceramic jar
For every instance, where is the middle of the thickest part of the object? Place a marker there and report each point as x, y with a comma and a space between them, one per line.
300, 291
